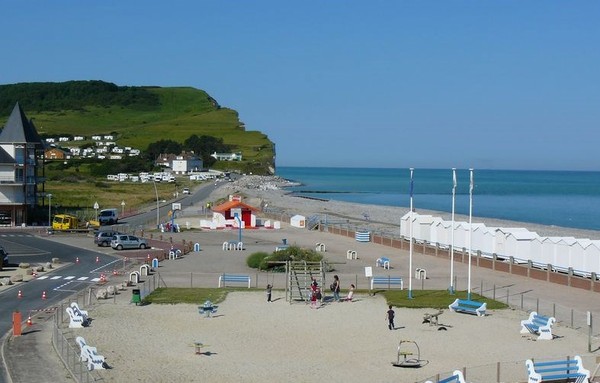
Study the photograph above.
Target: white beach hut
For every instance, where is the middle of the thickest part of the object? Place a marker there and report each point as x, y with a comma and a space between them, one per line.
578, 256
535, 251
422, 227
592, 257
440, 232
405, 225
484, 240
298, 221
548, 251
518, 242
562, 255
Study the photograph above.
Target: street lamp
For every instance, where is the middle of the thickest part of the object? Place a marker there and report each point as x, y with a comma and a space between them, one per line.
49, 209
157, 207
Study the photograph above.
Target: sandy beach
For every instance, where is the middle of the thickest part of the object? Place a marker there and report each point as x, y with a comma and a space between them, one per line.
250, 340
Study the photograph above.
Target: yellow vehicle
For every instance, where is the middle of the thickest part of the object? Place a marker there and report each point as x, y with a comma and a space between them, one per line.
70, 222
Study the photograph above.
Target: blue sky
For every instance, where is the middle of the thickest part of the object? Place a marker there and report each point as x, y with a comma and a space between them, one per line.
425, 84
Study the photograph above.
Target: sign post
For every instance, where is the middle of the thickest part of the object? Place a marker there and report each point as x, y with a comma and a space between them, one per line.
96, 207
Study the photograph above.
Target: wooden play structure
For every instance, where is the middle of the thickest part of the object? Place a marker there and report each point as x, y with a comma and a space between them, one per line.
300, 275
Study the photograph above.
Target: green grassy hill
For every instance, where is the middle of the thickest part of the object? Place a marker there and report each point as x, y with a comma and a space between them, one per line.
138, 116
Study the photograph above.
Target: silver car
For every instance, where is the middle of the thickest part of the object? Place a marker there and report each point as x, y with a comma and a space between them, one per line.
122, 241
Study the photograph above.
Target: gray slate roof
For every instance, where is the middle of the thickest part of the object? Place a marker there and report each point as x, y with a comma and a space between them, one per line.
18, 129
5, 158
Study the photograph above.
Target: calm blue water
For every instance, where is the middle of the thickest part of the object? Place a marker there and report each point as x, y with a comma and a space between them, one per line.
559, 198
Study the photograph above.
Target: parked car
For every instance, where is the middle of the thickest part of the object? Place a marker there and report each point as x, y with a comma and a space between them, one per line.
103, 238
186, 191
122, 241
4, 256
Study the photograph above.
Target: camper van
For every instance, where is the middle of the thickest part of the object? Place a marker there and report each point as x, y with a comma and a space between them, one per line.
108, 216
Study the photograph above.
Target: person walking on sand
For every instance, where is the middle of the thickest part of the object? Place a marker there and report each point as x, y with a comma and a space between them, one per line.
390, 318
269, 289
336, 288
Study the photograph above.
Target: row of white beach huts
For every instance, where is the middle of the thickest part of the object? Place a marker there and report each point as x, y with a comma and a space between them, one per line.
582, 255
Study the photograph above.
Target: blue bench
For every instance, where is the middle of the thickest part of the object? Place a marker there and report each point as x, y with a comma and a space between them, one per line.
387, 281
231, 278
468, 306
557, 370
456, 377
539, 325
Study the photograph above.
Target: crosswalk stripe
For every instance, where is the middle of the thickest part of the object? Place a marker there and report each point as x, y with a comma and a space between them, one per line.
69, 278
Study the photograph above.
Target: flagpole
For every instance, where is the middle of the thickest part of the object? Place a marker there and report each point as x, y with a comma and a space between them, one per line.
451, 289
470, 228
410, 251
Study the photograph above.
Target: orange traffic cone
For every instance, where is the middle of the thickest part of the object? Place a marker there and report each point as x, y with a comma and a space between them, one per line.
43, 295
77, 260
29, 321
102, 278
97, 259
20, 294
115, 272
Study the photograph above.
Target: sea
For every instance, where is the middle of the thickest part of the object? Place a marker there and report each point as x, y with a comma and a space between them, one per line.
557, 198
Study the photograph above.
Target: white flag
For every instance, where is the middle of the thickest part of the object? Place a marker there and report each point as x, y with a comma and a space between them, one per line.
471, 184
454, 178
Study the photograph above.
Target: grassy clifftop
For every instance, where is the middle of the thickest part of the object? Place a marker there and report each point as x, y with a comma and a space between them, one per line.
138, 115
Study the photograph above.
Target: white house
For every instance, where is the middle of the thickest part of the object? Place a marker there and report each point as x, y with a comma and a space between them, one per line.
186, 163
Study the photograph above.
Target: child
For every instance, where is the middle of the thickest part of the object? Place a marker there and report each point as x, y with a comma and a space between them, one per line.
269, 288
390, 317
350, 293
315, 295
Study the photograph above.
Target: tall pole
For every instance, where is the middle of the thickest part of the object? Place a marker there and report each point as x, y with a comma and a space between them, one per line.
470, 228
451, 289
410, 251
50, 210
157, 206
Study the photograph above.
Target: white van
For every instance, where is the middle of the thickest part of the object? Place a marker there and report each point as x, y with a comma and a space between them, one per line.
108, 216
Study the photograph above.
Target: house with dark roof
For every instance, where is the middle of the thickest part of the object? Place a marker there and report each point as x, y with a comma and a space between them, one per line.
20, 170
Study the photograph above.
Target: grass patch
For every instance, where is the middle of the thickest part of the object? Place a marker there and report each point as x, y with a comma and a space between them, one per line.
437, 299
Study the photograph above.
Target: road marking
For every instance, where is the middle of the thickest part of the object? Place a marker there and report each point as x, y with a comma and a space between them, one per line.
70, 278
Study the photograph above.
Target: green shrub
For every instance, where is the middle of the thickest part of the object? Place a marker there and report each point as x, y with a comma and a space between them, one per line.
255, 259
275, 261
